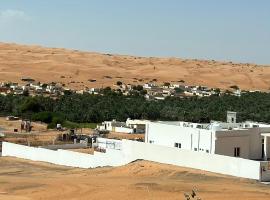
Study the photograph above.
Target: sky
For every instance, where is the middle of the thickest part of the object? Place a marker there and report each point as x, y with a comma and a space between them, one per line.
227, 30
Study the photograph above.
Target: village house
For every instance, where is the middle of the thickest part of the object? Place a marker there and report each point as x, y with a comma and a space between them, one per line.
93, 90
247, 140
149, 85
237, 93
4, 90
130, 126
115, 126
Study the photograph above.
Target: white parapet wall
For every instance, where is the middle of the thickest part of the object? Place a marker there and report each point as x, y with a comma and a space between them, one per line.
131, 151
123, 130
109, 143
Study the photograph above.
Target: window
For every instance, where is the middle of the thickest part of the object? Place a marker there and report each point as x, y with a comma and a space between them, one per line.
237, 152
207, 151
195, 149
177, 145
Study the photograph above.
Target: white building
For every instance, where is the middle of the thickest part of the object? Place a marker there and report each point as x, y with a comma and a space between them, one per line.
246, 140
138, 125
115, 126
130, 126
149, 85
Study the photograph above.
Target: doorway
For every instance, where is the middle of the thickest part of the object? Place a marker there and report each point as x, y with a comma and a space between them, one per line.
262, 148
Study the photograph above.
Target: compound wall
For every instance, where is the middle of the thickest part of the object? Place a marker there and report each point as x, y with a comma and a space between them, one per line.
132, 151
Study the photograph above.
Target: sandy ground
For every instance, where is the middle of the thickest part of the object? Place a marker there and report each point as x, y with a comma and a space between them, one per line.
116, 135
39, 135
24, 180
75, 69
9, 126
85, 150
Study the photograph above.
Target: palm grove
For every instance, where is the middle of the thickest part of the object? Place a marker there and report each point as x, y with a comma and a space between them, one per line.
71, 109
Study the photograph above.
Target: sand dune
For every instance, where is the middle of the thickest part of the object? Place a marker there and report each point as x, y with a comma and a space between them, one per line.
75, 69
20, 179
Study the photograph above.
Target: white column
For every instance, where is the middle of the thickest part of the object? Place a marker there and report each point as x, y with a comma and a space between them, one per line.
265, 148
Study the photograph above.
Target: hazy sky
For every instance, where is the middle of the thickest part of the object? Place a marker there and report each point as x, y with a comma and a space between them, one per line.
237, 30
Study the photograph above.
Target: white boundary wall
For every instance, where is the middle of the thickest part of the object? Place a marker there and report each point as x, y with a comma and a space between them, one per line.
63, 157
209, 162
132, 150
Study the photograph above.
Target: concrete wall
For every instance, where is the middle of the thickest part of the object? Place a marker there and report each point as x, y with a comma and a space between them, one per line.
265, 171
226, 145
268, 145
64, 157
65, 146
249, 141
132, 150
209, 162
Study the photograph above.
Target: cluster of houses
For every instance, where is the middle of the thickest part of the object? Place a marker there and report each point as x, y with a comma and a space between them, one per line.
161, 92
154, 91
31, 88
151, 90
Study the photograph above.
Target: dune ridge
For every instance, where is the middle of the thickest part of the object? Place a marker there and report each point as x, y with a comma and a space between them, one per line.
76, 68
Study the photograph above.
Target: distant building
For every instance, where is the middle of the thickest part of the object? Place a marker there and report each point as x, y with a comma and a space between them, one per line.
130, 126
231, 117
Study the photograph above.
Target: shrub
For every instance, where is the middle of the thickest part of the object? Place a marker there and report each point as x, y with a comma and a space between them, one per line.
119, 83
234, 87
167, 84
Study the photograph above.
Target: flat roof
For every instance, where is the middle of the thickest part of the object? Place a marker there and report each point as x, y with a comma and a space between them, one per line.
266, 134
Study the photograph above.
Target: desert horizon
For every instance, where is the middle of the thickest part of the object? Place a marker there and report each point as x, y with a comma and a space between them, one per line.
79, 69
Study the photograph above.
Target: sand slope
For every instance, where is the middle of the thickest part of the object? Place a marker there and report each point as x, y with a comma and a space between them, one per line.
21, 180
69, 66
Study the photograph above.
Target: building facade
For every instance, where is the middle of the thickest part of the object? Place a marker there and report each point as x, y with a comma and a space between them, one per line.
230, 139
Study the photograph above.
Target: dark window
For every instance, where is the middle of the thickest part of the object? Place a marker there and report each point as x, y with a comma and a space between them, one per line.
195, 149
207, 151
237, 152
177, 145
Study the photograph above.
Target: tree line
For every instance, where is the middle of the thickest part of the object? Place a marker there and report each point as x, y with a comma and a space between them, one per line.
110, 105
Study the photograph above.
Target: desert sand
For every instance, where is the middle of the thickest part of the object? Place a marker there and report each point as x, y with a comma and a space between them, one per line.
25, 180
75, 68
